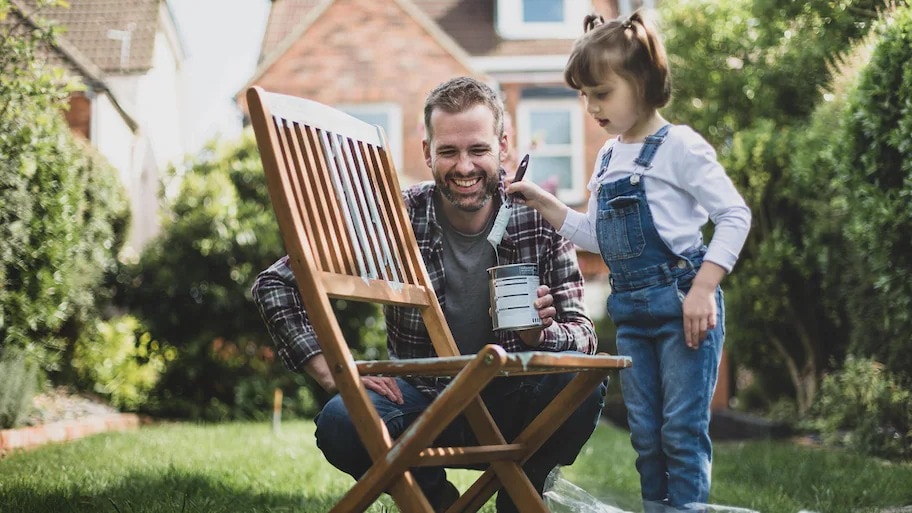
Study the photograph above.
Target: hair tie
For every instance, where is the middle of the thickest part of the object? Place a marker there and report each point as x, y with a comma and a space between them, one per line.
627, 24
592, 21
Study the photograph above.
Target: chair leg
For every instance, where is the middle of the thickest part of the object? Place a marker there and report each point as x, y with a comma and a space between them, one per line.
405, 491
534, 436
444, 409
508, 472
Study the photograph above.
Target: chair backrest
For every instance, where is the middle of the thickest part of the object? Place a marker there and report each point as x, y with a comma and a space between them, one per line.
337, 199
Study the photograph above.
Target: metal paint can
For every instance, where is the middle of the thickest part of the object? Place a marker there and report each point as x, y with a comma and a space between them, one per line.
514, 289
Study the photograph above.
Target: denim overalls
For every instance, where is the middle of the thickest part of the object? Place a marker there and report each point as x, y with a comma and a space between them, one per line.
669, 388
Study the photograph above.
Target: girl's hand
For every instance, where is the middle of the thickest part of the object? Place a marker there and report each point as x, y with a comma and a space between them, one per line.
527, 193
551, 208
699, 314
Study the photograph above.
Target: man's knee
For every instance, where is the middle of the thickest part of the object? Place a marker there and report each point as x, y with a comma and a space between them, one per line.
336, 435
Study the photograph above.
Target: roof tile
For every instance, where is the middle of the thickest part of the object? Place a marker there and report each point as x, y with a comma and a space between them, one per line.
469, 22
117, 35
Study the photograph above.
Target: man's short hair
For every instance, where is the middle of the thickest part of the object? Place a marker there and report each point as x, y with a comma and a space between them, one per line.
460, 94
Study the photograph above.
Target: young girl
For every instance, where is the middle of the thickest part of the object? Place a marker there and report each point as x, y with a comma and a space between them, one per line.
653, 188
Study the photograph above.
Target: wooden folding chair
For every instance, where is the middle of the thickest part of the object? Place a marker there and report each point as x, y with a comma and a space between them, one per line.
338, 203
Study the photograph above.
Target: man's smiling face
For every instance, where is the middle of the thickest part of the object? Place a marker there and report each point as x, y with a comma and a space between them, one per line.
464, 156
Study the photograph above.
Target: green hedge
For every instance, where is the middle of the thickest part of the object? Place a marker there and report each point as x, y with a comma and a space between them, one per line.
18, 381
865, 407
63, 212
876, 174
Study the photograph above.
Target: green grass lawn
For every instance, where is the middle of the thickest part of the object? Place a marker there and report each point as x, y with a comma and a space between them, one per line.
244, 467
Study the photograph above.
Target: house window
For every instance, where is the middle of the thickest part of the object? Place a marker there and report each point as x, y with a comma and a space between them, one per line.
627, 7
388, 116
540, 19
551, 131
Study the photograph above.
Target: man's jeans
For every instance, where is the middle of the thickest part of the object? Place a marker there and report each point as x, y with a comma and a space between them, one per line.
513, 403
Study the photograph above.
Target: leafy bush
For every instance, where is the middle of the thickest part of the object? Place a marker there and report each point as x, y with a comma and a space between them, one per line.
865, 407
64, 213
120, 361
876, 174
191, 288
18, 380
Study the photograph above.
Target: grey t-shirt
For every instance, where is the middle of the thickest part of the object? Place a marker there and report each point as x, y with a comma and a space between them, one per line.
466, 259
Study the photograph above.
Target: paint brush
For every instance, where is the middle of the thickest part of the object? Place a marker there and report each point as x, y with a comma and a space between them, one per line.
503, 215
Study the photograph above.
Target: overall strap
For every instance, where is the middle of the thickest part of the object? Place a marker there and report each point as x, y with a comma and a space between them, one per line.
606, 157
650, 146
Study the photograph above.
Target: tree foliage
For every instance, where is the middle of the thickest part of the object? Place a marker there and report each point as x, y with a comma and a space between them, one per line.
748, 74
875, 177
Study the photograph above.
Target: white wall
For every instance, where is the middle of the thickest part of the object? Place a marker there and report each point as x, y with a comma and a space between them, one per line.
153, 99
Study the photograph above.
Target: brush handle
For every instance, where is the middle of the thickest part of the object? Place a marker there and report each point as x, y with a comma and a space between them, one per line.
520, 173
503, 215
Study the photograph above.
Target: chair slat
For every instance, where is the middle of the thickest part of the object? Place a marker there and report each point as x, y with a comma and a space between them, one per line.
533, 362
343, 192
380, 291
461, 456
337, 243
389, 270
305, 201
361, 204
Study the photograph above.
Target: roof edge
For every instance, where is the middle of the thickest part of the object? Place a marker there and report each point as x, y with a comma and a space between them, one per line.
94, 75
286, 43
438, 34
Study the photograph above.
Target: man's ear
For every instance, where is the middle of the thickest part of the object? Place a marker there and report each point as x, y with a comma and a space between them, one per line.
504, 148
426, 148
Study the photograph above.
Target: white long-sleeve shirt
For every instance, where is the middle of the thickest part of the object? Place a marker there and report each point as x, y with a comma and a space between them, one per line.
685, 186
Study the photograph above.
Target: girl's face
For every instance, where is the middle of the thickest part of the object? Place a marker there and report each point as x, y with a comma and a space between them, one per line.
616, 106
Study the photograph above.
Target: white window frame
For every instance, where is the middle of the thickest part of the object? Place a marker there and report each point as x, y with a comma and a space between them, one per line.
626, 7
510, 24
524, 136
393, 112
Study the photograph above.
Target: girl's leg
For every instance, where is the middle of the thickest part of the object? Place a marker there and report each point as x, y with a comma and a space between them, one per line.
688, 381
641, 388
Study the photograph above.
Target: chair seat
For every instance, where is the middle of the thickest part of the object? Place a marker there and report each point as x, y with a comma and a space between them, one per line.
517, 364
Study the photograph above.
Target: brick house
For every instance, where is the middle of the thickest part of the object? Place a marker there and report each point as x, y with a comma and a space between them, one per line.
378, 59
127, 55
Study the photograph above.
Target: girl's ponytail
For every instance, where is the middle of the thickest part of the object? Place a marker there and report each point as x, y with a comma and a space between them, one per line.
630, 47
591, 21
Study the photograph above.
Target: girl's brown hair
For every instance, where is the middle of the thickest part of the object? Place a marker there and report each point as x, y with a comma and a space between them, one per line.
631, 48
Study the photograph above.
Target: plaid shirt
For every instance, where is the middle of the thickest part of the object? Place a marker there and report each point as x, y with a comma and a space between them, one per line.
528, 239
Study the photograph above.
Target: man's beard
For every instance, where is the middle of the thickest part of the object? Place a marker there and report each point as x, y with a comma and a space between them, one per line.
469, 203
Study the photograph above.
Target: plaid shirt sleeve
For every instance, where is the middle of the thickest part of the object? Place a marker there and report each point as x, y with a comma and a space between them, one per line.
276, 295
